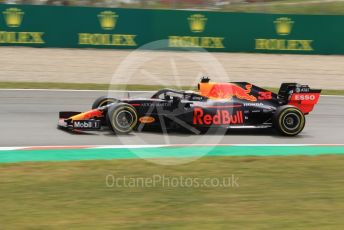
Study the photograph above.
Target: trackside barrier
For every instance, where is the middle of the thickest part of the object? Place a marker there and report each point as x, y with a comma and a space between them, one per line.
115, 28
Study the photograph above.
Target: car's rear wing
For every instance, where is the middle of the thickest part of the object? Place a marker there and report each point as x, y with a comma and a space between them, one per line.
301, 96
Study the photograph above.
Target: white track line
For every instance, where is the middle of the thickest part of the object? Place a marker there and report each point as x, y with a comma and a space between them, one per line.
9, 148
127, 146
77, 90
331, 95
96, 90
61, 147
76, 147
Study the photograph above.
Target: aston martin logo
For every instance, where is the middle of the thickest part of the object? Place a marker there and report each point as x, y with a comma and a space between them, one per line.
13, 17
283, 25
197, 23
108, 20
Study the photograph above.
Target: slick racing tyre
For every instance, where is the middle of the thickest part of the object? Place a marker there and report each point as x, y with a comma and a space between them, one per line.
103, 100
122, 118
289, 120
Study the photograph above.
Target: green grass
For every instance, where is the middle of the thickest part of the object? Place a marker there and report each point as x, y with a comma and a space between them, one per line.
284, 7
91, 86
274, 193
273, 6
276, 6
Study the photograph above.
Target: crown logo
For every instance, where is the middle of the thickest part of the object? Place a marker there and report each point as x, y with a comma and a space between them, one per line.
108, 20
197, 23
13, 17
283, 25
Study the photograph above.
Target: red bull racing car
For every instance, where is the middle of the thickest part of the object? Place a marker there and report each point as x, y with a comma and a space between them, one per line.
235, 105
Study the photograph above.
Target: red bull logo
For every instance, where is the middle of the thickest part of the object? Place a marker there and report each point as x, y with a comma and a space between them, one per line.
227, 91
222, 117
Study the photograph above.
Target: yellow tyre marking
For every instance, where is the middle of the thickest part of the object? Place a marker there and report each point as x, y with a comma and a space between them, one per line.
103, 102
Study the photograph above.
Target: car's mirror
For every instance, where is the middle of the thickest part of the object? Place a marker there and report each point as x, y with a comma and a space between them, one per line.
167, 97
176, 100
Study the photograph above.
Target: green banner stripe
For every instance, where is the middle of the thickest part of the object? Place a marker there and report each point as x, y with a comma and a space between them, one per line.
119, 28
126, 153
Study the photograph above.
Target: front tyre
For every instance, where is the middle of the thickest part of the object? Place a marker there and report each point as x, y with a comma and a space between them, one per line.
289, 120
102, 101
122, 118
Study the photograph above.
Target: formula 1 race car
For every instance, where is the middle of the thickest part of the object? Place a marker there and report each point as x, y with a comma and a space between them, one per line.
235, 105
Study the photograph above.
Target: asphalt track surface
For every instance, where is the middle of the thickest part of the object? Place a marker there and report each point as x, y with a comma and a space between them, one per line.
29, 118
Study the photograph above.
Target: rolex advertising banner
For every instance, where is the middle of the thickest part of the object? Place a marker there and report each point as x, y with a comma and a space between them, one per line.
86, 27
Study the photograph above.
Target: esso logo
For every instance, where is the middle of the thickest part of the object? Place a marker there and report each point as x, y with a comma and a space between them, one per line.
305, 97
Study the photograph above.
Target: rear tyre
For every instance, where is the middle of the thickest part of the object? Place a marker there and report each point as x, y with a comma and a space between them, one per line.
289, 120
122, 118
102, 101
